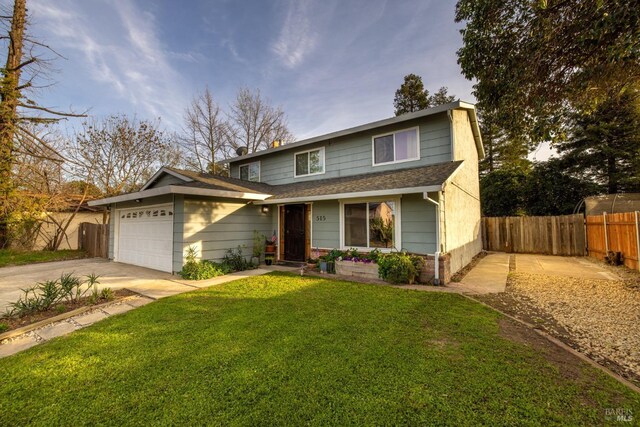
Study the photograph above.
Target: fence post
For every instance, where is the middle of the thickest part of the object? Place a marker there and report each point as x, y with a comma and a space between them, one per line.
637, 239
606, 237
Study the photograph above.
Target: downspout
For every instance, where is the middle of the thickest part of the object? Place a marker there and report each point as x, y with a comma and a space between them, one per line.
436, 263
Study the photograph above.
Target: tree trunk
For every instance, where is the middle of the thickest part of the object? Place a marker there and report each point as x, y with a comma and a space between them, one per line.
612, 175
9, 97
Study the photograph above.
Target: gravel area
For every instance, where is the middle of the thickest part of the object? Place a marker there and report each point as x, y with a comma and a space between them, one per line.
600, 318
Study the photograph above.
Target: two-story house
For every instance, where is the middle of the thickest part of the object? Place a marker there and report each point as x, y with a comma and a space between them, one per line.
403, 183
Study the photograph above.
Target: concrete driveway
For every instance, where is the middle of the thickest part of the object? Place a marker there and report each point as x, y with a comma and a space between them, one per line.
578, 267
152, 283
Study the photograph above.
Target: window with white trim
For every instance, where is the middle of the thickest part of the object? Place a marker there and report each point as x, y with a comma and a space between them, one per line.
250, 172
370, 224
400, 146
309, 162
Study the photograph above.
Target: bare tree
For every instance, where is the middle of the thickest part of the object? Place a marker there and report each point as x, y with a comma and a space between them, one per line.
206, 135
117, 154
49, 204
24, 65
256, 123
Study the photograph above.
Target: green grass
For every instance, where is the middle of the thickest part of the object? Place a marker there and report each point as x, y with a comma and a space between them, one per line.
11, 257
281, 349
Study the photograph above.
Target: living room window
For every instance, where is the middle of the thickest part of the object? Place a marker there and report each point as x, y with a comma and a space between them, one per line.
250, 172
396, 147
309, 162
371, 224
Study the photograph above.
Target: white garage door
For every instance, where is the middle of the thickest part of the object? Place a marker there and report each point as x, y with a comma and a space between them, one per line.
145, 237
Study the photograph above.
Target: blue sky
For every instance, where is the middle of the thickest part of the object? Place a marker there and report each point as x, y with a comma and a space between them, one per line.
330, 64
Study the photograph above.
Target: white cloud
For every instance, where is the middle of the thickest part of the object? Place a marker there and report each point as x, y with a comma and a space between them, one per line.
127, 56
296, 38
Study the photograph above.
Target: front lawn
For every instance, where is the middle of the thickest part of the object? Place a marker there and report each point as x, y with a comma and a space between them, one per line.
11, 257
282, 349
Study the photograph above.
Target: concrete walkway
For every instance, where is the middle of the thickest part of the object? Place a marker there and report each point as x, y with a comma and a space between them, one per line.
487, 277
148, 290
63, 327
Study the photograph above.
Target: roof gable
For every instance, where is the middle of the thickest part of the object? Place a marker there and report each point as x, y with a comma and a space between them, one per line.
165, 176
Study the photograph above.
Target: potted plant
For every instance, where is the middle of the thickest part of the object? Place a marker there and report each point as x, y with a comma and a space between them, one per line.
268, 259
312, 263
271, 244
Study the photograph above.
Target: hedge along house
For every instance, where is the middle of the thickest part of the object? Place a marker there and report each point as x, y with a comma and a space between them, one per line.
404, 183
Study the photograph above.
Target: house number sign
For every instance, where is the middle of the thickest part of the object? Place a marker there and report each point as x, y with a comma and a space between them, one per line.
321, 218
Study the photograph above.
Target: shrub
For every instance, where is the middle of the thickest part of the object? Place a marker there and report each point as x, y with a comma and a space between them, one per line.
258, 244
399, 267
235, 260
200, 270
4, 327
61, 308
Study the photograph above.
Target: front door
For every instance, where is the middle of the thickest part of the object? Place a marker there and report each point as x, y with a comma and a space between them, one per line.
294, 233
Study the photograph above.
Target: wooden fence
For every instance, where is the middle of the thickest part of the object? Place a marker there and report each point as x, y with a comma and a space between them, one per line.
618, 232
94, 238
553, 235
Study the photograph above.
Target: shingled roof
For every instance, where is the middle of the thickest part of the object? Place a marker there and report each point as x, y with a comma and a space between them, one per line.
424, 176
217, 182
399, 181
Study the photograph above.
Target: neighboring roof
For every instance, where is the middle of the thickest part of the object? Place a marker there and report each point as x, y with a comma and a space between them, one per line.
402, 181
380, 123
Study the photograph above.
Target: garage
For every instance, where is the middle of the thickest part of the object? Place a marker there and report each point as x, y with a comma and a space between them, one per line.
145, 237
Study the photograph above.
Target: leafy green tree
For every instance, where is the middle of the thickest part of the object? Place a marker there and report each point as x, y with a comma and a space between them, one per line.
551, 190
412, 96
536, 61
605, 143
503, 192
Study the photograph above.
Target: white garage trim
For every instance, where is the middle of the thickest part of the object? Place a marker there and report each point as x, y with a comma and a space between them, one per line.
165, 260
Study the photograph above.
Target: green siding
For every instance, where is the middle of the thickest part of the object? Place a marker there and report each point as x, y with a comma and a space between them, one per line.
418, 225
178, 231
352, 155
216, 225
326, 224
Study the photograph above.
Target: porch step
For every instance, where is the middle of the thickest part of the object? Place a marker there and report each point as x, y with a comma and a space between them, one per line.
292, 264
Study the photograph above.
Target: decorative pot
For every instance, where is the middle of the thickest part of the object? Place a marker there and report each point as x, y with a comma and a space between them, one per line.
270, 248
268, 261
323, 266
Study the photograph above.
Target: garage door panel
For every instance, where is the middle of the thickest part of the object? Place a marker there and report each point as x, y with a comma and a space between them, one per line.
146, 237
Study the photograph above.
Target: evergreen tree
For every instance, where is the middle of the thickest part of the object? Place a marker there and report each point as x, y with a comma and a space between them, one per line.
412, 96
605, 143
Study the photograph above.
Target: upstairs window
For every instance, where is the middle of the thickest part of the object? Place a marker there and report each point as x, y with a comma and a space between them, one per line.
309, 162
250, 172
395, 147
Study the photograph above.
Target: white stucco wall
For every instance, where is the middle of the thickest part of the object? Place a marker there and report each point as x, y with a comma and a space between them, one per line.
462, 235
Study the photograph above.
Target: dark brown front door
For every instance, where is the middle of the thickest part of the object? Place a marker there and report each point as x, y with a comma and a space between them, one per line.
294, 237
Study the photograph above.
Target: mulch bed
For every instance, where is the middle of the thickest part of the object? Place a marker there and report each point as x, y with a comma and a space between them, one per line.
19, 322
